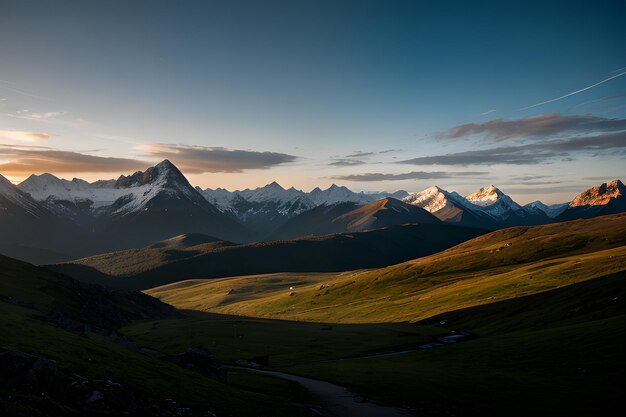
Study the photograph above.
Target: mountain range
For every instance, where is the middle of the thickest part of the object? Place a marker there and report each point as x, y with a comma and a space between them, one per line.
47, 219
265, 209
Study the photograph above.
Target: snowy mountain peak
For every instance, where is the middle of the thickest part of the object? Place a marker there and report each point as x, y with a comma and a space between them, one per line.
486, 196
600, 195
10, 192
162, 173
551, 211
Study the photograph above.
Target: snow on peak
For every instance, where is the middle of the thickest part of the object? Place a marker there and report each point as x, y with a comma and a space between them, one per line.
13, 194
486, 196
135, 189
551, 210
494, 202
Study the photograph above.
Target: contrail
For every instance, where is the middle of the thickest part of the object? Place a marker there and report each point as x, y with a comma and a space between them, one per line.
575, 92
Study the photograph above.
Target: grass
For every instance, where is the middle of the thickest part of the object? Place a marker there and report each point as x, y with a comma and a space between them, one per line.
27, 293
283, 342
548, 314
474, 273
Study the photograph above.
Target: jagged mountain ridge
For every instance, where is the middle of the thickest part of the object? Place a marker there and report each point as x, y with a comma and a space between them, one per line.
265, 209
352, 217
137, 209
451, 207
607, 198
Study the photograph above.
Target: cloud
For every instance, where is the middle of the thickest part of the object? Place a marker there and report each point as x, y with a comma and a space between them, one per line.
541, 125
574, 92
346, 162
530, 177
360, 154
22, 136
36, 159
488, 112
529, 154
201, 159
28, 115
415, 175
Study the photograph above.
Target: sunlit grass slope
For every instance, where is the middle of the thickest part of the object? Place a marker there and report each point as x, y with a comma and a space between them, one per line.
498, 266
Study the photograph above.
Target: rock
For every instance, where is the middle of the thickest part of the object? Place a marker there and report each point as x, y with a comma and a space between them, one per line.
27, 369
198, 359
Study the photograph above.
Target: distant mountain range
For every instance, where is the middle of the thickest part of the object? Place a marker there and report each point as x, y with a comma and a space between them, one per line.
267, 208
352, 217
48, 219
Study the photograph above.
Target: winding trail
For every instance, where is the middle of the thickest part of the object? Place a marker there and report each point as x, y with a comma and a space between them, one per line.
337, 401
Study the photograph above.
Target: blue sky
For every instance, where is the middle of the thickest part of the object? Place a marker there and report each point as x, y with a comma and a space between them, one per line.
308, 93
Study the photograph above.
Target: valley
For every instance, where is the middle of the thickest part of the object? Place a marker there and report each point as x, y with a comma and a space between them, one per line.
364, 306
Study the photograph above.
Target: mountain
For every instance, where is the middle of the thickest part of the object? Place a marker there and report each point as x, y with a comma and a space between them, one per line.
352, 217
607, 198
64, 354
264, 209
136, 209
451, 207
186, 257
551, 211
504, 210
29, 230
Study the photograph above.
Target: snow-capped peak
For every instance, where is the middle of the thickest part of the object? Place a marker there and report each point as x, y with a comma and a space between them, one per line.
13, 194
551, 210
137, 189
494, 202
486, 196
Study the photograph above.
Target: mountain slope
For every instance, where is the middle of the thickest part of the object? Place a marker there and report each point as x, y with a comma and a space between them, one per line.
158, 264
62, 355
494, 267
451, 207
607, 198
30, 231
136, 209
502, 208
351, 217
551, 211
262, 209
161, 203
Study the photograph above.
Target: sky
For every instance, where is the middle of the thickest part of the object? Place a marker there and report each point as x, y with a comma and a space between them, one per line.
374, 95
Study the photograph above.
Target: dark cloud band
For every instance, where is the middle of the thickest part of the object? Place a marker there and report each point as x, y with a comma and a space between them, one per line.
415, 175
541, 125
201, 159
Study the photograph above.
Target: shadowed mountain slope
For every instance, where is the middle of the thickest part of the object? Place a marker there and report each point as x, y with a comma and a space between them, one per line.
352, 217
159, 264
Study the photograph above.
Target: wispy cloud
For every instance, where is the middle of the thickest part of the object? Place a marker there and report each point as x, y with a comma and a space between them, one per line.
415, 175
359, 154
541, 125
9, 86
201, 159
28, 115
528, 154
23, 160
22, 136
346, 162
488, 112
575, 92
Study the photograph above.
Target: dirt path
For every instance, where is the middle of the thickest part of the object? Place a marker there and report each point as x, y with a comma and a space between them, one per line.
337, 400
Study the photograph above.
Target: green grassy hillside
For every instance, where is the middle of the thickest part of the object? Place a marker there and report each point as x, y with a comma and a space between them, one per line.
162, 264
28, 295
546, 316
498, 266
